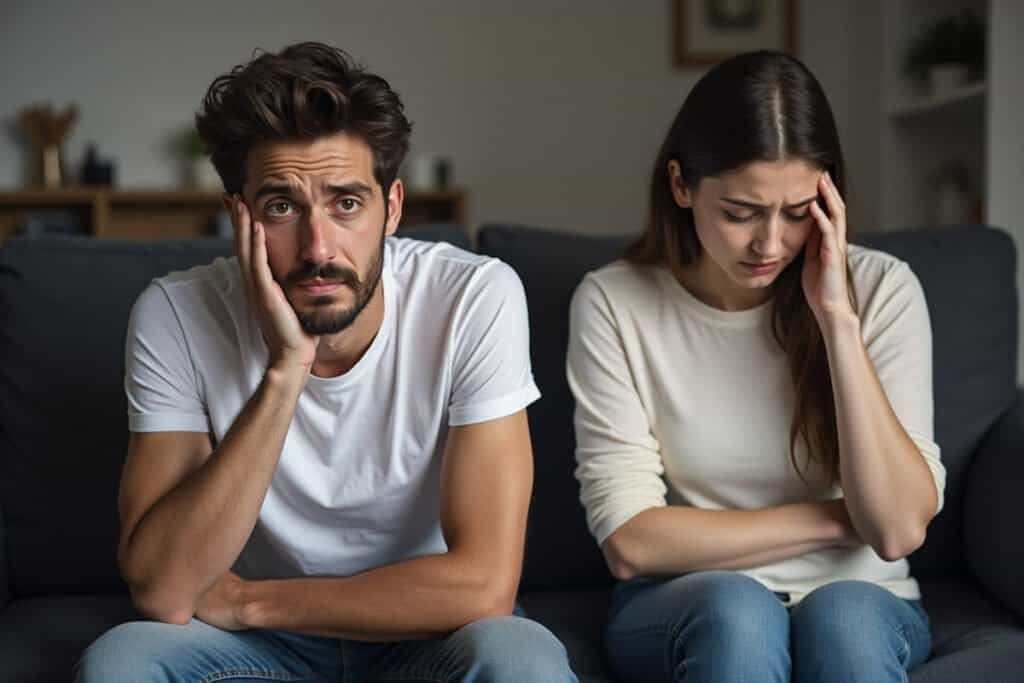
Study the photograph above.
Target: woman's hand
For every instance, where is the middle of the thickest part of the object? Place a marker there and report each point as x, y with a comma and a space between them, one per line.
824, 274
287, 342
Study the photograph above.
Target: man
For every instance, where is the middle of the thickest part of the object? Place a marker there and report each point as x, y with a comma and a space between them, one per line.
329, 468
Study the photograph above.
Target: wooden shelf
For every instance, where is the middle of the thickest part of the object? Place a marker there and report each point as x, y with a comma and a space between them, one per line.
144, 213
969, 95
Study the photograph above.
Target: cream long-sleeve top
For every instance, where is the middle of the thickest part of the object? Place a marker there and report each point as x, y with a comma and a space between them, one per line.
680, 403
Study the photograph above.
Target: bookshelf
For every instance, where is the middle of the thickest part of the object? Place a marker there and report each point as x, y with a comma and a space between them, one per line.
143, 214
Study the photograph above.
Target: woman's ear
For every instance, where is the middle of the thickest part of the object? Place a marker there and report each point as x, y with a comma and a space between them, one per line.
680, 192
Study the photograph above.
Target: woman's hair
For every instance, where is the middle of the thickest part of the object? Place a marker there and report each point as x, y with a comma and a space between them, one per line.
306, 91
758, 106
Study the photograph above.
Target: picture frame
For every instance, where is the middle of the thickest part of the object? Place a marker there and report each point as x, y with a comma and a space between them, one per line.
708, 31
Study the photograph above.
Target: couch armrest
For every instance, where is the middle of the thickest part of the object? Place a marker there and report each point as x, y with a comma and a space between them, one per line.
5, 593
994, 506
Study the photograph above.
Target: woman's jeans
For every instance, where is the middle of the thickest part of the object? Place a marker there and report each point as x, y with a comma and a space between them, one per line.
725, 627
512, 649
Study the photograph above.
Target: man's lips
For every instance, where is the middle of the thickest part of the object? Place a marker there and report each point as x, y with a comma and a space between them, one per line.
317, 287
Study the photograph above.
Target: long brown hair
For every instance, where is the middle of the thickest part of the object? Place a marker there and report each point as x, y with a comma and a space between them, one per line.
756, 106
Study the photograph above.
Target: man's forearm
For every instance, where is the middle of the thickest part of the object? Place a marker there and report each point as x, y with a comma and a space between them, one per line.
419, 598
195, 533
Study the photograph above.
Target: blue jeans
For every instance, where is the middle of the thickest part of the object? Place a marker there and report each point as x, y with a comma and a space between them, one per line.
497, 649
723, 626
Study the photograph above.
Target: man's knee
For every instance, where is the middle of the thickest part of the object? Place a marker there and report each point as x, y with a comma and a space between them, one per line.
129, 652
514, 649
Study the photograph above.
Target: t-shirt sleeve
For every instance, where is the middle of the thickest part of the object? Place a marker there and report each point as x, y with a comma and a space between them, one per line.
898, 338
491, 374
160, 379
619, 464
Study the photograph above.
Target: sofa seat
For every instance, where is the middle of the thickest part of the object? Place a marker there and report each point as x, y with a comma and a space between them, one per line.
41, 639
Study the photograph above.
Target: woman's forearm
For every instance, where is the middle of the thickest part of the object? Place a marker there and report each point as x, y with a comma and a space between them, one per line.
677, 539
888, 487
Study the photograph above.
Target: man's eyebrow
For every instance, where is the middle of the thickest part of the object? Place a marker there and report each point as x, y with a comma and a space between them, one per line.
752, 205
271, 188
357, 188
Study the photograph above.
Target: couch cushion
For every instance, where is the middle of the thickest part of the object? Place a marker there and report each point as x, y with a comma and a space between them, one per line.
64, 305
559, 549
41, 639
968, 275
577, 618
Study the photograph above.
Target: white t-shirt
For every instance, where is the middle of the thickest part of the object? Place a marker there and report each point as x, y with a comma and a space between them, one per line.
681, 403
358, 481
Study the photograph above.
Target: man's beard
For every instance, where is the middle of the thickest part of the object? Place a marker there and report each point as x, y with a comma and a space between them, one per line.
321, 322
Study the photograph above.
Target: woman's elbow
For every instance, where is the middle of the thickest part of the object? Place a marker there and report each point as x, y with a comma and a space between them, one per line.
898, 545
621, 562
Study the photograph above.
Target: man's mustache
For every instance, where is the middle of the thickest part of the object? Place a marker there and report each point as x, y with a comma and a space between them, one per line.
327, 272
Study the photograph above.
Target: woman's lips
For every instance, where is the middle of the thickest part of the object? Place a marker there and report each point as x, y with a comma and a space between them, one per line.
761, 268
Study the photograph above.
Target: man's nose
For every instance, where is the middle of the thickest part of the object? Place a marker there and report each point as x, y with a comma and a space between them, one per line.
317, 238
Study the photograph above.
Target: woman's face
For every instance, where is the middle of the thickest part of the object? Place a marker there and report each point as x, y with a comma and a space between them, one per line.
751, 224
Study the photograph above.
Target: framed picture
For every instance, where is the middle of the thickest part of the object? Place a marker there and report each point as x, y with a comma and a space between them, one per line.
708, 31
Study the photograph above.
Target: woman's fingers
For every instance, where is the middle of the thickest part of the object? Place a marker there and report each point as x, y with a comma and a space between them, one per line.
836, 207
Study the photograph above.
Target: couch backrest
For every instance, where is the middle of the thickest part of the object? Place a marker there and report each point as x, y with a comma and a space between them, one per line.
968, 275
969, 279
64, 305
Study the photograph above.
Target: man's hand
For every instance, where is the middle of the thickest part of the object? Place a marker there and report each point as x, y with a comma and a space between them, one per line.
220, 606
287, 342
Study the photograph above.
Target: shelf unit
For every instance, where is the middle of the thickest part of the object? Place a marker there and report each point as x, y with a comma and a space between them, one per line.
922, 133
175, 214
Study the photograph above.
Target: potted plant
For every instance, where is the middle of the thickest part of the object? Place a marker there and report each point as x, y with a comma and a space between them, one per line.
948, 54
197, 171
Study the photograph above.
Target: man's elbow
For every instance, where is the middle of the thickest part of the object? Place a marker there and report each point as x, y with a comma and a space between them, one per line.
161, 607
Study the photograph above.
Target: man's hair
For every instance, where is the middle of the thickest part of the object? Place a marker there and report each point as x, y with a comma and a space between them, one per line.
306, 91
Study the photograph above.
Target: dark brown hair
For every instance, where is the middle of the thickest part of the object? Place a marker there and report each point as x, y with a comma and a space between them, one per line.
758, 106
306, 91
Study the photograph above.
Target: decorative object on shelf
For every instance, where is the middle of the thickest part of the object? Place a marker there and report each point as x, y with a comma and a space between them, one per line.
426, 173
197, 170
954, 202
708, 31
948, 54
97, 171
47, 129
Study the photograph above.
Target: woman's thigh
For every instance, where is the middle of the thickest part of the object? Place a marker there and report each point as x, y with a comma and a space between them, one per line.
857, 631
704, 626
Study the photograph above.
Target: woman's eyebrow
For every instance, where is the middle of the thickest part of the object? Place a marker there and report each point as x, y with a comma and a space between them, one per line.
754, 205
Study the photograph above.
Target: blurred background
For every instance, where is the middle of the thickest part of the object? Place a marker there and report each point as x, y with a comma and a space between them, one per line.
537, 112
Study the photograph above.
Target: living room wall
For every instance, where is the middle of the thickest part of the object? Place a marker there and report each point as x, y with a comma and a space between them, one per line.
551, 112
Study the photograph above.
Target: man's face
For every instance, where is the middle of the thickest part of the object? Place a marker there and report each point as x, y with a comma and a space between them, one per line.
751, 224
324, 217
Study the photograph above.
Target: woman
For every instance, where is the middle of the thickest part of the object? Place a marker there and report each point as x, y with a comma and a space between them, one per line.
754, 406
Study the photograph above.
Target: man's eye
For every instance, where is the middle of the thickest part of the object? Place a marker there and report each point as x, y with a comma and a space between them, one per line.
279, 208
796, 218
347, 205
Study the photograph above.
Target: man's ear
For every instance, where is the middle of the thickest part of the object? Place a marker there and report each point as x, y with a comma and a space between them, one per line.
680, 192
395, 198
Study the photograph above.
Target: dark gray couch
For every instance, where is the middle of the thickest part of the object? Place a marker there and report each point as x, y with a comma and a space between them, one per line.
63, 312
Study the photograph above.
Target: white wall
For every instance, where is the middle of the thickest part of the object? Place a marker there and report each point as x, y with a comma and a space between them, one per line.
551, 111
1005, 173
